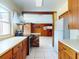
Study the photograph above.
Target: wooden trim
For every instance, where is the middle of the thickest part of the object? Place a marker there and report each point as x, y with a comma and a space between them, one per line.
30, 12
53, 31
61, 16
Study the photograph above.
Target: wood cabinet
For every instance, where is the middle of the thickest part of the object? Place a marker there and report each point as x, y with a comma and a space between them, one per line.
73, 14
17, 52
8, 55
27, 28
20, 51
65, 52
24, 49
73, 9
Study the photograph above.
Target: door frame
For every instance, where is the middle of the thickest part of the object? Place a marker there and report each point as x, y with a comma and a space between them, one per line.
42, 12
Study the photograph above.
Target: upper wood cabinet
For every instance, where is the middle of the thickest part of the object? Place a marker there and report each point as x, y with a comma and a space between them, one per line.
73, 14
27, 28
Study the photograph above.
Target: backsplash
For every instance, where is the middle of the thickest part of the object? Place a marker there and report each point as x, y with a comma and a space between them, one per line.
74, 34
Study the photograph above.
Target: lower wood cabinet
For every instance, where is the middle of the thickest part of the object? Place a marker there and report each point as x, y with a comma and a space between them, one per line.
21, 51
8, 55
65, 52
24, 49
17, 52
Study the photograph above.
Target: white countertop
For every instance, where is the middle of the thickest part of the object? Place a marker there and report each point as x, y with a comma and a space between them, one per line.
74, 44
7, 44
32, 34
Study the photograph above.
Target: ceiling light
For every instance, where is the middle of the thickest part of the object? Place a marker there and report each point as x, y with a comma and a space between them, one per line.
39, 3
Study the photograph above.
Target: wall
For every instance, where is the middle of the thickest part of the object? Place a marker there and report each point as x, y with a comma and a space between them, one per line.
63, 8
35, 18
74, 34
58, 32
13, 8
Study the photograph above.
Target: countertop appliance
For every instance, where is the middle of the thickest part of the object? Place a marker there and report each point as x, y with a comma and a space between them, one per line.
19, 33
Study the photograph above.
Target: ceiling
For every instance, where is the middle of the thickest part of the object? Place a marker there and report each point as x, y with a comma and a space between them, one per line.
48, 5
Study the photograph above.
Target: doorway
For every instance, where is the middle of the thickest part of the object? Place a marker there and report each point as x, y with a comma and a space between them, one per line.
40, 28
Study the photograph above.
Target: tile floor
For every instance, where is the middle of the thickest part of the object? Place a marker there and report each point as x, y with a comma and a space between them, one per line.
45, 51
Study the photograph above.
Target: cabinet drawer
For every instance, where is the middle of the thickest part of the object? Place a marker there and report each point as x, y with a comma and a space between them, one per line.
8, 55
69, 51
15, 49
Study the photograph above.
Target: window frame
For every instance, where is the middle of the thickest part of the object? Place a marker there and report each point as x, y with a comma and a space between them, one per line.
9, 22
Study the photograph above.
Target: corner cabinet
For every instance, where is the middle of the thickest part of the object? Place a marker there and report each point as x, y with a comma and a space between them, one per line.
65, 52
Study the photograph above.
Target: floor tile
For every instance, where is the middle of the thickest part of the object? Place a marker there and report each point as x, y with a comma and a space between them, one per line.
45, 51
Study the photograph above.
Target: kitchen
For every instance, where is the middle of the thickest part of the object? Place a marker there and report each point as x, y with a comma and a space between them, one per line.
39, 29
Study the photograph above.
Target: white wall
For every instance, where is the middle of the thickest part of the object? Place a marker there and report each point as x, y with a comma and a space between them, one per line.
59, 24
74, 34
32, 18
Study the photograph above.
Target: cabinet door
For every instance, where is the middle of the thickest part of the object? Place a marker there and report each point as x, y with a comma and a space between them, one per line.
66, 56
75, 13
24, 48
60, 51
8, 55
16, 55
78, 12
65, 52
70, 7
73, 9
20, 51
27, 29
17, 52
